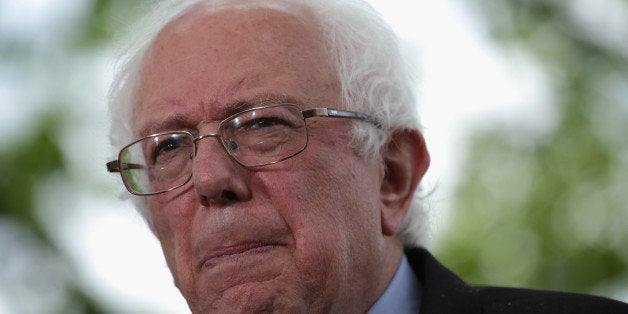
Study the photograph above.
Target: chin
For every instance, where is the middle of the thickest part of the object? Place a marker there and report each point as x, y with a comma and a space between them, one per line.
267, 281
254, 297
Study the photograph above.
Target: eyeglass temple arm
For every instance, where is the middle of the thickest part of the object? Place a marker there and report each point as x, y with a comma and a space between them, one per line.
112, 166
337, 113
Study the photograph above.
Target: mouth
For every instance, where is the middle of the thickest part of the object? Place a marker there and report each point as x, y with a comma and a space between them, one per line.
233, 252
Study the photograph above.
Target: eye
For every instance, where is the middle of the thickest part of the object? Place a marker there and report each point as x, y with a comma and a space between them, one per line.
265, 122
168, 148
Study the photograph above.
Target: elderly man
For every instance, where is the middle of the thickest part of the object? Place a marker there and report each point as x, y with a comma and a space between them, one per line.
275, 153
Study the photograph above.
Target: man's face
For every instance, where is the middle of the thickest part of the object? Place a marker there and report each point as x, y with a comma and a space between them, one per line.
300, 235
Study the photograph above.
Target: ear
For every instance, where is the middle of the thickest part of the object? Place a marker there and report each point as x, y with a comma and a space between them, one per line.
406, 160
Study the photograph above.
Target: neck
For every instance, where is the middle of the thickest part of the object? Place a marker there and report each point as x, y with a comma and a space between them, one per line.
393, 251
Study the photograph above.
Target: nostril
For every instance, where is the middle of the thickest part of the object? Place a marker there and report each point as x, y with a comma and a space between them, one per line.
227, 196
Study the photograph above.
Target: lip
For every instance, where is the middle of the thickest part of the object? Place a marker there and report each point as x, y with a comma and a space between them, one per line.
240, 250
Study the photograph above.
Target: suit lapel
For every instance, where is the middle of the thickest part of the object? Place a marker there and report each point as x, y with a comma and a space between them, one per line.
442, 292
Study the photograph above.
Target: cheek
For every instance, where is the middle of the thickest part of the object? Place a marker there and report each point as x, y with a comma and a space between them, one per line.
171, 214
171, 223
330, 207
339, 207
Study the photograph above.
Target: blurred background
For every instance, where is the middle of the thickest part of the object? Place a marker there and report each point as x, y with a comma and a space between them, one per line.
525, 109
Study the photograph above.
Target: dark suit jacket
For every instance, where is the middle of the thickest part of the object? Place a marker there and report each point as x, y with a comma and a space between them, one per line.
444, 293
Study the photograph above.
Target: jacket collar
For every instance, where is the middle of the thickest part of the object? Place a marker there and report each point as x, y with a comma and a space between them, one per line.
442, 291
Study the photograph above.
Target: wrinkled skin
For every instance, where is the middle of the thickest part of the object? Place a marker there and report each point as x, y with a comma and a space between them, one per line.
314, 233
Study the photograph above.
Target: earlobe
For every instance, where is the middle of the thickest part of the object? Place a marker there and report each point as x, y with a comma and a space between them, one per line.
406, 160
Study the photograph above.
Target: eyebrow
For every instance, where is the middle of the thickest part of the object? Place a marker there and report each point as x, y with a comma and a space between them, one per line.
252, 102
177, 121
174, 121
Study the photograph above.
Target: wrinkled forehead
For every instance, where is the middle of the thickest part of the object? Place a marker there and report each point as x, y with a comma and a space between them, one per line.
239, 44
279, 6
228, 23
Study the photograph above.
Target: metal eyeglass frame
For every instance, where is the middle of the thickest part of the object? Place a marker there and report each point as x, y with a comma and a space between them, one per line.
117, 165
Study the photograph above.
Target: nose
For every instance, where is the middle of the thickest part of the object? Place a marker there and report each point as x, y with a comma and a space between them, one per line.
218, 179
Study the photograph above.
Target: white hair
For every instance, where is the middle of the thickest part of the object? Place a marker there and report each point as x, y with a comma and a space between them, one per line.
375, 76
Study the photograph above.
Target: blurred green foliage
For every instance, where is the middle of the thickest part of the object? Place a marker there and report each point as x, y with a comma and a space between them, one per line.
550, 209
546, 211
38, 274
25, 165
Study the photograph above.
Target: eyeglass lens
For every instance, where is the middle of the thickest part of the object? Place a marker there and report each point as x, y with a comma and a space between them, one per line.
253, 138
158, 163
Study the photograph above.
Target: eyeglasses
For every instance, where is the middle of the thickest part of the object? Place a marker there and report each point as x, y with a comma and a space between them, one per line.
255, 137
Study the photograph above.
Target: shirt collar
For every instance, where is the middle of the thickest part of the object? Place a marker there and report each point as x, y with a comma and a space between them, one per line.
403, 294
